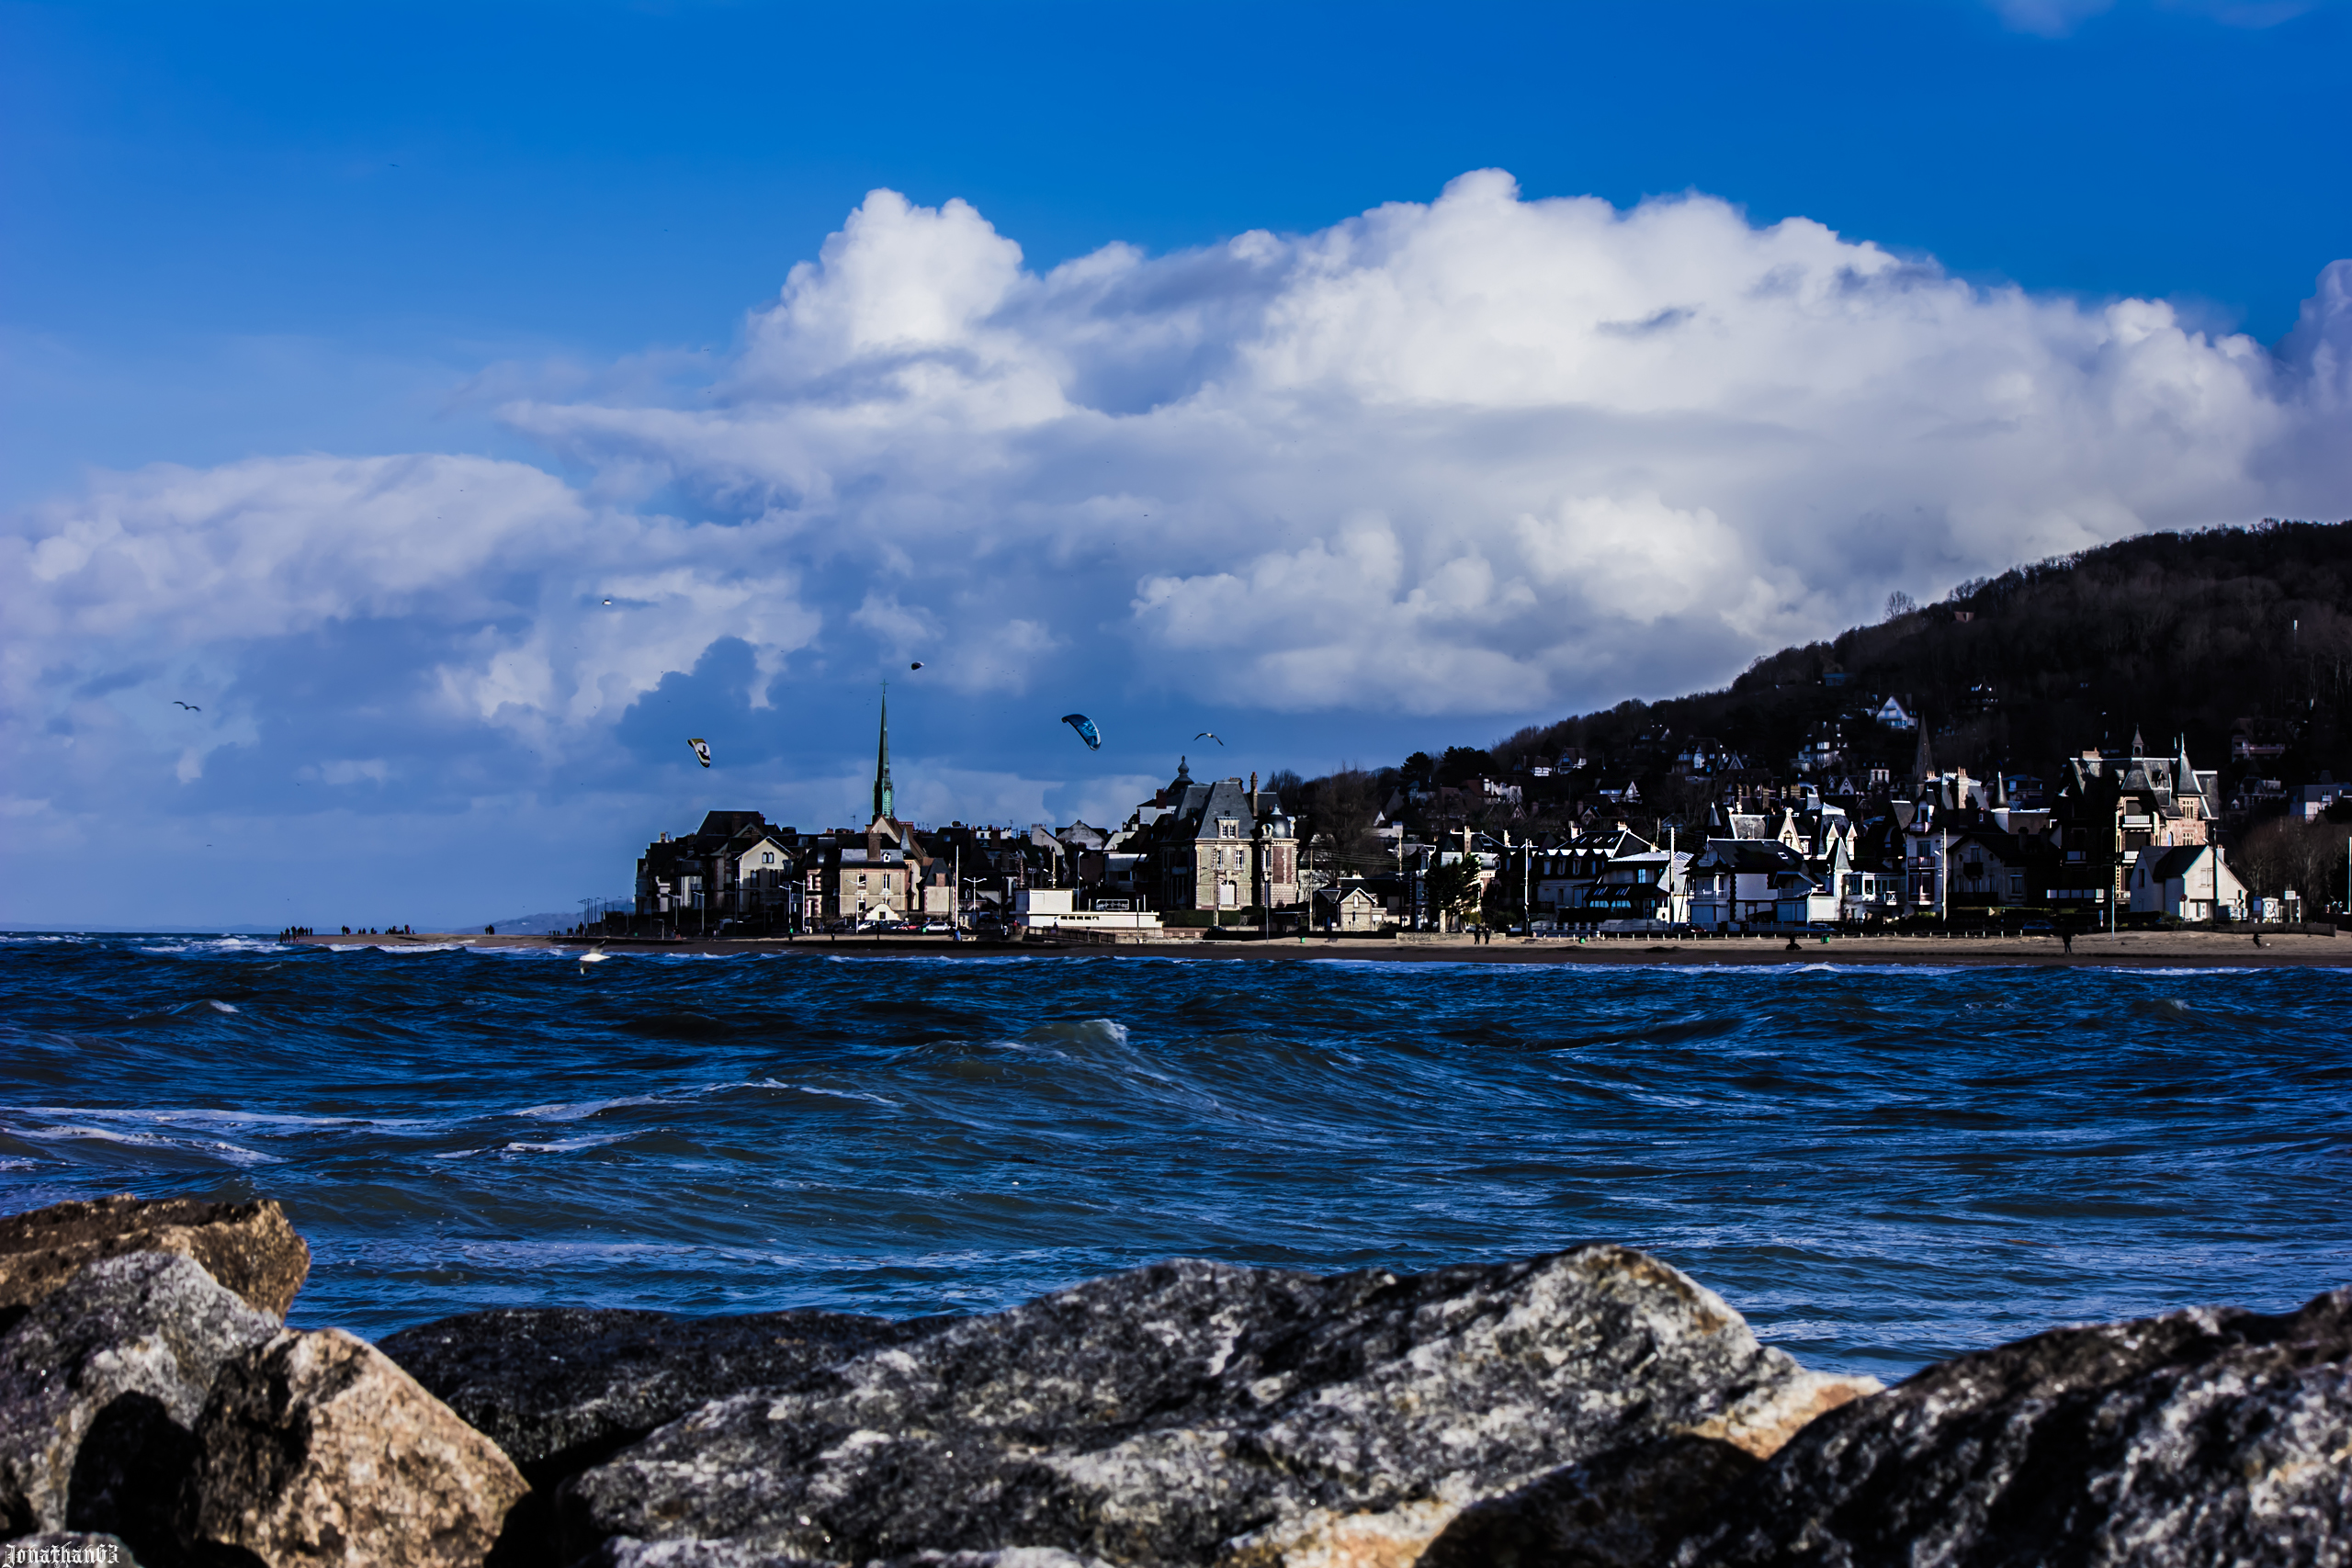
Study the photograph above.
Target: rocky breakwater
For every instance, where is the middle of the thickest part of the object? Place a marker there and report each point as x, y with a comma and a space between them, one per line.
1593, 1408
159, 1412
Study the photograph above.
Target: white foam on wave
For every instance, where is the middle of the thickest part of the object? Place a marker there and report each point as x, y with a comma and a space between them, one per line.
573, 1111
1085, 1031
565, 1146
211, 1148
410, 947
216, 944
824, 1093
206, 1116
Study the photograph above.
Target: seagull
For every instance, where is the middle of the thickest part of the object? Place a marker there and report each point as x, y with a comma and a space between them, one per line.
916, 665
1210, 735
608, 600
190, 707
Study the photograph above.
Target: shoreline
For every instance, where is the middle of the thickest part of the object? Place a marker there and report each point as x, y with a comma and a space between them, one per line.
2135, 950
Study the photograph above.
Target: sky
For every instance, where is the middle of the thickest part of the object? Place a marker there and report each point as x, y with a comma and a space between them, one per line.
457, 408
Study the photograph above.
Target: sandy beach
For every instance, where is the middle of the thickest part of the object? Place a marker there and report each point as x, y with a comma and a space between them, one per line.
2231, 950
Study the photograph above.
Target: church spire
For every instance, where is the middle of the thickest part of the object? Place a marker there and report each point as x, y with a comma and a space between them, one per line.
1923, 765
883, 801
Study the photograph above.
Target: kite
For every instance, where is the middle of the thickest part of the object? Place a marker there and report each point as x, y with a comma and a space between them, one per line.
1210, 735
190, 707
1086, 731
702, 750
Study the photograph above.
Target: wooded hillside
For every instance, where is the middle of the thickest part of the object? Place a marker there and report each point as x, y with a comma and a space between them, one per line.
2203, 634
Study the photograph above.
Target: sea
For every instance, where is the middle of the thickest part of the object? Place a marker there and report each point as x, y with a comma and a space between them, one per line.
1879, 1167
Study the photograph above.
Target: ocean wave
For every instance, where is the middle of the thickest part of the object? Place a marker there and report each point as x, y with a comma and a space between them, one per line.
574, 1110
211, 1148
217, 944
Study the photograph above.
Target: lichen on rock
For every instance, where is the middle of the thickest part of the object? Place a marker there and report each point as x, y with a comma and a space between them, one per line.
249, 1247
1202, 1413
101, 1385
316, 1450
2198, 1438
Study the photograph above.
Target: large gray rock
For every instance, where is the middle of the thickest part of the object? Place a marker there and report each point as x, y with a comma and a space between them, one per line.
247, 1246
1197, 1413
101, 1384
561, 1388
316, 1452
2196, 1438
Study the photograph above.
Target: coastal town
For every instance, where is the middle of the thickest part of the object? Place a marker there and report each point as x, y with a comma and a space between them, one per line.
2131, 838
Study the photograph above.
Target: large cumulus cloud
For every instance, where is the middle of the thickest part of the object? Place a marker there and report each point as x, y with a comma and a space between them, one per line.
1484, 453
1482, 456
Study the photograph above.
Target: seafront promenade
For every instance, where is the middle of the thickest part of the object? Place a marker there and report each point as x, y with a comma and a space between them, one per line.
2185, 949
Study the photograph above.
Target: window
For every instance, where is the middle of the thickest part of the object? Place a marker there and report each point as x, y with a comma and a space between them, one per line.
767, 857
1227, 828
861, 879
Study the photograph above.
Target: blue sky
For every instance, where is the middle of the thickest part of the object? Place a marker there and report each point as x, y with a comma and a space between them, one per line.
1343, 380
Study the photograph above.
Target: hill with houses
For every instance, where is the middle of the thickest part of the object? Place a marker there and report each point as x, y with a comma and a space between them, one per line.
2236, 640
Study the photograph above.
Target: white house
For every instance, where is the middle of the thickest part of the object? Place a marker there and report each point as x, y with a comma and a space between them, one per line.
2190, 882
1735, 881
1051, 909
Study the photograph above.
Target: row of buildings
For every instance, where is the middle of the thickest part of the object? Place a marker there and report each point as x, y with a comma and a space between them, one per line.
1216, 849
2113, 836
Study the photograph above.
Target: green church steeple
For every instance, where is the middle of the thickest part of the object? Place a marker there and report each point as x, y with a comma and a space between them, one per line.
883, 801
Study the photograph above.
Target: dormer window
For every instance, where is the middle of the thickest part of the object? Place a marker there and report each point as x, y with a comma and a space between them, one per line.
1228, 828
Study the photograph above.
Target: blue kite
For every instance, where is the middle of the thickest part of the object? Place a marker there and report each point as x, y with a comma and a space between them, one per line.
1086, 731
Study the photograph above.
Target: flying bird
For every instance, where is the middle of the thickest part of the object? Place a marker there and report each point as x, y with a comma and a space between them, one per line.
608, 600
1210, 735
916, 665
190, 707
702, 750
1086, 731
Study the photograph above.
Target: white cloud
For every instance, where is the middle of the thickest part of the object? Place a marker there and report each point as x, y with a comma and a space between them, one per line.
1471, 455
1478, 455
504, 567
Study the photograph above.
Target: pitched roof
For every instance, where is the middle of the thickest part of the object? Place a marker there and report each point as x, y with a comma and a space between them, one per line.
2178, 861
1747, 855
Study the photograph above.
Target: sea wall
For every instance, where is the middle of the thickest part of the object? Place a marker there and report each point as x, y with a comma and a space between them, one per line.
1592, 1407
